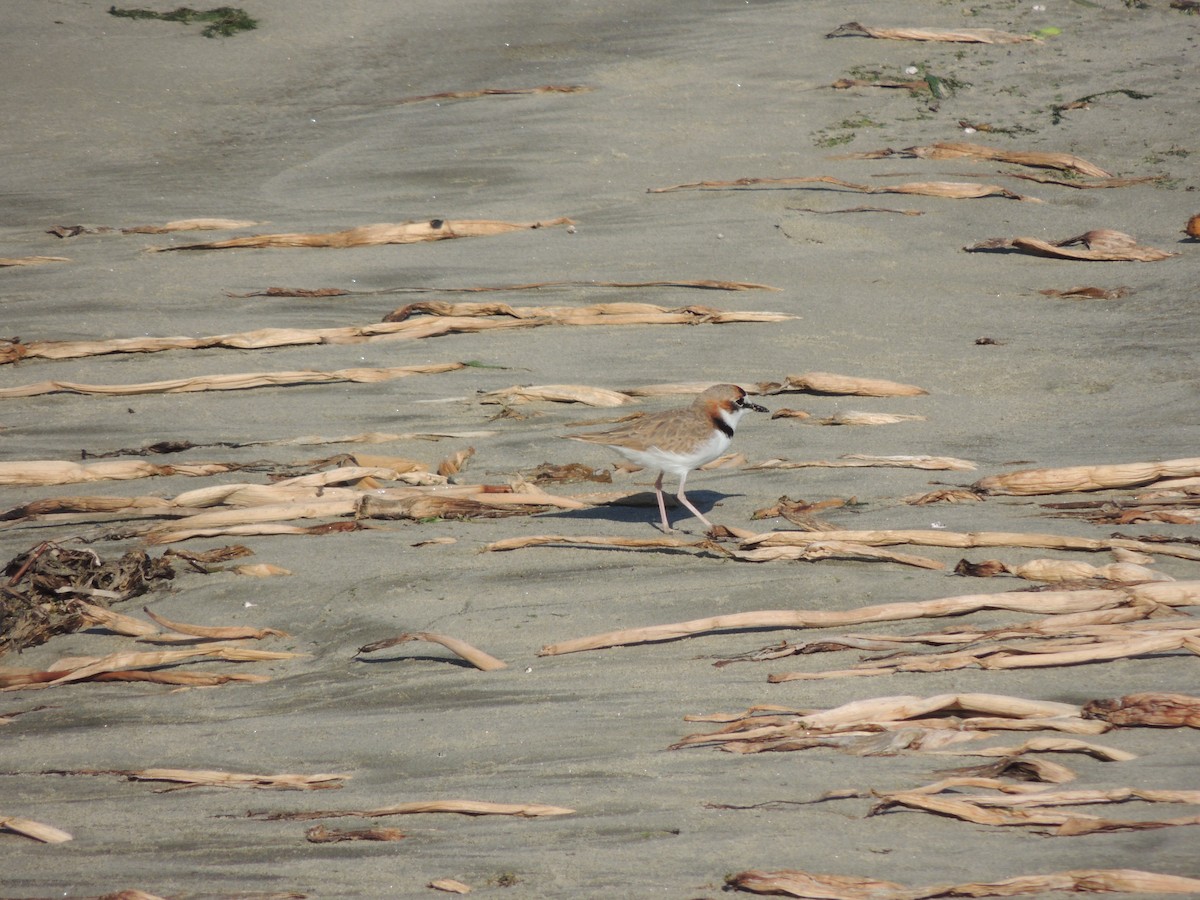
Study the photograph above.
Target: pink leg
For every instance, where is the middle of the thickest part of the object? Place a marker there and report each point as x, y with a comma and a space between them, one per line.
662, 505
682, 497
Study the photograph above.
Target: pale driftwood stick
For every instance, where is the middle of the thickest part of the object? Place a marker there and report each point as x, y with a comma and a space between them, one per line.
215, 778
47, 834
462, 807
461, 649
967, 540
238, 382
1029, 482
1179, 593
797, 883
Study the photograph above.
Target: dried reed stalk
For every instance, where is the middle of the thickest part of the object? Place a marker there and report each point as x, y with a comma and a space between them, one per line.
115, 622
461, 649
1030, 482
46, 834
496, 92
1099, 244
796, 883
1096, 184
376, 235
858, 417
198, 224
908, 716
319, 834
1065, 162
1016, 811
461, 807
214, 778
450, 886
240, 382
7, 261
862, 461
1034, 653
1181, 593
831, 383
215, 632
699, 284
260, 570
952, 190
111, 667
439, 319
958, 35
1055, 745
260, 339
557, 393
55, 471
595, 314
1147, 709
1058, 571
970, 539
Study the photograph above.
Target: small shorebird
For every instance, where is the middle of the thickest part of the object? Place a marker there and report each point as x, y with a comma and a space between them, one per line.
679, 440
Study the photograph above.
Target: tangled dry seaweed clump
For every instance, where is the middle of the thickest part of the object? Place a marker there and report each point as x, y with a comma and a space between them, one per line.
40, 597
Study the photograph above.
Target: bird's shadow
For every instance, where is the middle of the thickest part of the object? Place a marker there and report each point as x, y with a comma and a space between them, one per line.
638, 509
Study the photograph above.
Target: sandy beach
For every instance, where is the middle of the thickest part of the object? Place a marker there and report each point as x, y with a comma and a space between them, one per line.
568, 120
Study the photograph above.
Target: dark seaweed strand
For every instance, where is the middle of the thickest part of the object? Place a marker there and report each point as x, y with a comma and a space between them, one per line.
224, 21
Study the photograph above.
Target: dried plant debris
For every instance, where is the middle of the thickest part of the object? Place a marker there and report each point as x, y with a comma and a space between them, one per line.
913, 721
376, 235
1159, 594
915, 87
1099, 244
1086, 292
556, 393
319, 834
1033, 482
796, 883
184, 631
858, 209
700, 284
188, 778
13, 261
495, 92
61, 471
1005, 809
1062, 571
46, 834
239, 382
1097, 644
1192, 228
1056, 113
39, 597
1065, 162
971, 540
210, 224
952, 190
459, 807
957, 35
473, 655
144, 666
402, 324
1156, 710
450, 886
945, 495
1091, 184
627, 313
861, 461
222, 21
840, 385
568, 473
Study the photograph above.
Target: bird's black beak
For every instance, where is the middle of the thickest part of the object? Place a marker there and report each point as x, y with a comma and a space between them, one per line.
754, 406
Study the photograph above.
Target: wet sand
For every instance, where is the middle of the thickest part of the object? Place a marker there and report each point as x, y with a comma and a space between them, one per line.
298, 124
